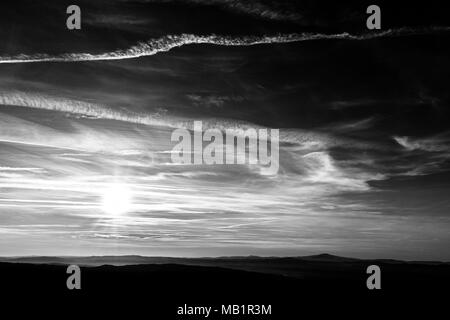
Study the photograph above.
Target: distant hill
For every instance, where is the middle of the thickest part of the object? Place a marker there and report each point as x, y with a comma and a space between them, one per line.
156, 286
296, 267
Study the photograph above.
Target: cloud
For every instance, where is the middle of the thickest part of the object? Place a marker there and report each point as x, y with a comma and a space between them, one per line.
16, 169
431, 154
350, 126
435, 144
77, 107
255, 8
321, 168
170, 42
124, 21
85, 109
129, 146
211, 100
306, 140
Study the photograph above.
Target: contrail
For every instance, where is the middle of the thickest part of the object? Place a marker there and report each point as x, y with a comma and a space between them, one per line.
170, 42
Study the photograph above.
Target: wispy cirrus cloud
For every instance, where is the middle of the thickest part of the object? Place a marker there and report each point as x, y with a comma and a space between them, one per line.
254, 8
76, 107
434, 154
212, 100
19, 169
433, 144
304, 152
304, 140
322, 168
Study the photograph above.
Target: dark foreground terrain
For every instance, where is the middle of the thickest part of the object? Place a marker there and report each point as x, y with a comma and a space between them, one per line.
153, 288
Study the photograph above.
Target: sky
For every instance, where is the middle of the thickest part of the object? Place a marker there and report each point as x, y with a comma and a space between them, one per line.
86, 118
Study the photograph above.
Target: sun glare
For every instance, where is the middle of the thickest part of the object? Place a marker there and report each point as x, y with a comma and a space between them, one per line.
116, 199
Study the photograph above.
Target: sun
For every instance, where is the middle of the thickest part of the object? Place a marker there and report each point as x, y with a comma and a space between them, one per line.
116, 199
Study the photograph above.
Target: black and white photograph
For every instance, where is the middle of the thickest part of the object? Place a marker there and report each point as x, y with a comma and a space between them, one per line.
224, 159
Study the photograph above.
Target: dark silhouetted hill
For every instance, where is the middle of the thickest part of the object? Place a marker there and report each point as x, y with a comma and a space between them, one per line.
156, 286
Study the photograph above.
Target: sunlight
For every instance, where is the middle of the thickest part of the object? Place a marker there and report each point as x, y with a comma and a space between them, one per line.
116, 199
